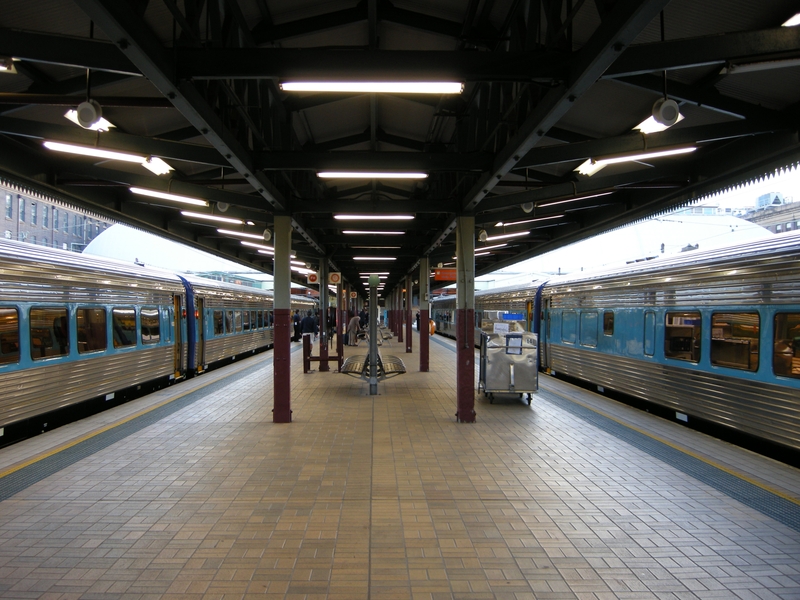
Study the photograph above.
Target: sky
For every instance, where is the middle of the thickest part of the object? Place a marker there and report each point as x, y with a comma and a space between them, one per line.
629, 243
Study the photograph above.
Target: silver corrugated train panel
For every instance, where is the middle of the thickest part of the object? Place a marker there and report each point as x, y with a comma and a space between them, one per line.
225, 347
63, 383
768, 411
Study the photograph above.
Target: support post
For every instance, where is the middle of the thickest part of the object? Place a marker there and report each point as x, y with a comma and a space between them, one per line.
409, 316
424, 313
399, 313
281, 403
373, 335
465, 318
323, 315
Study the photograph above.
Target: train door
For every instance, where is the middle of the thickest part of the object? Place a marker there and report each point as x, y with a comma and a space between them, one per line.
177, 301
200, 347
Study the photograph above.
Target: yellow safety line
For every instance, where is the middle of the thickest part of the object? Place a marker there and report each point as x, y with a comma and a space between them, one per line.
684, 450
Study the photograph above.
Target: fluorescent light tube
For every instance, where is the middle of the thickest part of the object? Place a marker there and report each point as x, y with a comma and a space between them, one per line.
253, 236
373, 217
95, 152
795, 20
507, 235
194, 215
354, 232
166, 196
379, 87
102, 124
502, 224
259, 246
374, 258
156, 165
370, 175
590, 166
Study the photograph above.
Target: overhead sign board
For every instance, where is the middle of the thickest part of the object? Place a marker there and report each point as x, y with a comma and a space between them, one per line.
334, 278
313, 278
444, 274
354, 295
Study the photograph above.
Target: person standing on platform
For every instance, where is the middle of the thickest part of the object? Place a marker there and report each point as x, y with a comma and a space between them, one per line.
362, 318
296, 322
417, 320
308, 326
353, 327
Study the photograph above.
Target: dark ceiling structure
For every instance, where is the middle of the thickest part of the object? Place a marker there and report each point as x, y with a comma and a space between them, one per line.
547, 86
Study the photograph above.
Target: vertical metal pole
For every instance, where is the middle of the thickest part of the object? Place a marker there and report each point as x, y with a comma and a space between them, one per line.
373, 336
323, 315
465, 318
408, 315
282, 411
424, 290
400, 314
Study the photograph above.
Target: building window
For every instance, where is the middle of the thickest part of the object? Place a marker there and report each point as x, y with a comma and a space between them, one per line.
33, 213
65, 223
45, 216
44, 241
21, 209
778, 228
734, 340
7, 234
55, 219
9, 206
33, 239
682, 336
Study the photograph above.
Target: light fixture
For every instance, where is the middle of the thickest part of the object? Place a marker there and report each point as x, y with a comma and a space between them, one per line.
267, 235
666, 112
378, 87
482, 253
375, 247
482, 235
373, 217
482, 248
566, 200
650, 125
166, 196
152, 163
156, 165
272, 254
101, 124
7, 65
592, 166
259, 246
205, 216
252, 236
509, 223
359, 232
527, 207
223, 206
374, 258
795, 20
370, 175
506, 236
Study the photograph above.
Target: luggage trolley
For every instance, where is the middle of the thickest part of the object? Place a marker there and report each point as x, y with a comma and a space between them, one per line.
509, 364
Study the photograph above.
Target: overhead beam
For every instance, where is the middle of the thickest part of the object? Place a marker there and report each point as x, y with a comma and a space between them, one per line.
372, 161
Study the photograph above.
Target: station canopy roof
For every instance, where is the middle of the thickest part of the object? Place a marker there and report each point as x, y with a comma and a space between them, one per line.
542, 88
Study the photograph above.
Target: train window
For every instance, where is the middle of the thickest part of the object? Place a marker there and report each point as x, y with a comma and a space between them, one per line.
260, 319
608, 323
151, 326
734, 340
91, 329
786, 347
123, 325
237, 315
219, 323
49, 332
253, 319
682, 336
246, 320
228, 321
589, 328
9, 336
649, 333
569, 326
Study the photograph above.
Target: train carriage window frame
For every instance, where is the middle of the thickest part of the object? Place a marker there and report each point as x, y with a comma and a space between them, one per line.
588, 328
246, 320
237, 319
228, 321
261, 319
150, 325
683, 330
569, 327
49, 332
91, 324
218, 322
735, 340
119, 327
9, 335
608, 322
786, 345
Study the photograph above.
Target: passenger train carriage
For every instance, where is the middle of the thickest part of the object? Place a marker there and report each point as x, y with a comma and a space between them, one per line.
711, 335
78, 333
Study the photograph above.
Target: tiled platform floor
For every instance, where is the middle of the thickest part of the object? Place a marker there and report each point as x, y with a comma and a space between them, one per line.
387, 497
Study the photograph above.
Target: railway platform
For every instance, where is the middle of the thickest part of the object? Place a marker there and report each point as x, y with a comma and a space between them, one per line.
193, 492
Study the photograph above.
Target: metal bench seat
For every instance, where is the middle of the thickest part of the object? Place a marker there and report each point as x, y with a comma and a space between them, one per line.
358, 366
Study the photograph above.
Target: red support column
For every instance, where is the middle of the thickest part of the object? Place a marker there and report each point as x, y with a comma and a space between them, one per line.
424, 360
306, 353
281, 366
465, 364
400, 324
409, 328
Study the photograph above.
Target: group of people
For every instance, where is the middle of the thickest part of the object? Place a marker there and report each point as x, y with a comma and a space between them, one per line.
309, 325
